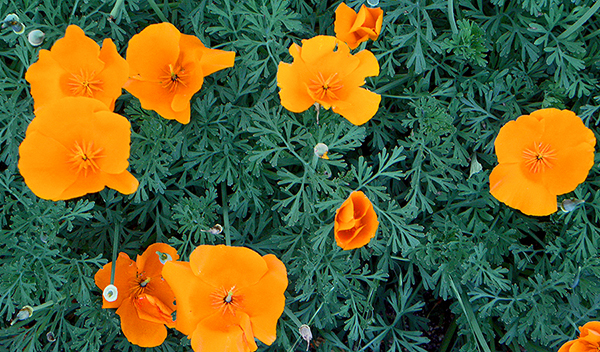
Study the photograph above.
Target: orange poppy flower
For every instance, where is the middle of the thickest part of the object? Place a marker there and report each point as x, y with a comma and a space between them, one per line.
588, 341
540, 156
76, 66
321, 74
227, 296
145, 300
355, 222
75, 146
354, 28
167, 68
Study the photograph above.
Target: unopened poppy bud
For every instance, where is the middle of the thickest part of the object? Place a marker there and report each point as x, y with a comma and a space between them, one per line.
164, 257
25, 313
373, 3
304, 331
568, 205
110, 293
50, 337
12, 20
215, 230
36, 37
321, 150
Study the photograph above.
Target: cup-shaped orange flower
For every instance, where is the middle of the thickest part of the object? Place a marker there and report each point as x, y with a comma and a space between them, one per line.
355, 222
75, 146
354, 28
540, 156
167, 68
76, 66
324, 72
144, 300
588, 341
227, 296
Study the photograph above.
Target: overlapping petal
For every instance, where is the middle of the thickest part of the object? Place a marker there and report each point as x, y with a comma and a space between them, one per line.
354, 28
324, 72
227, 296
76, 66
76, 146
167, 68
355, 222
145, 301
541, 155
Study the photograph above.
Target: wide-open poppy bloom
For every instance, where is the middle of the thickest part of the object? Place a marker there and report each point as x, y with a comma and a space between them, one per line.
167, 68
76, 66
145, 300
76, 146
354, 28
588, 341
540, 156
321, 74
355, 222
227, 296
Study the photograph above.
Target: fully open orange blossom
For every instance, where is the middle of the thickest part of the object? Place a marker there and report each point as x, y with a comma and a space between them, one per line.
75, 146
167, 68
227, 296
354, 28
324, 72
540, 156
145, 300
355, 222
588, 341
76, 66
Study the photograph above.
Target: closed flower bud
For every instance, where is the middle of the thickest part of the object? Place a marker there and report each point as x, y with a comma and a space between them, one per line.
25, 313
12, 20
306, 334
110, 293
568, 205
36, 37
321, 150
164, 257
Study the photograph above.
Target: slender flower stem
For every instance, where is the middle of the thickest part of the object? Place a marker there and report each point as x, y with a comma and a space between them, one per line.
225, 214
114, 255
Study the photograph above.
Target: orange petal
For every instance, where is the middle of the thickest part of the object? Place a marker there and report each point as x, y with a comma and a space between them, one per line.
590, 328
292, 79
152, 50
316, 48
84, 184
344, 20
212, 334
509, 185
123, 183
211, 60
264, 301
138, 331
125, 272
567, 346
150, 263
43, 163
365, 233
359, 106
111, 132
225, 266
114, 75
44, 76
153, 309
152, 96
193, 296
515, 136
367, 67
75, 52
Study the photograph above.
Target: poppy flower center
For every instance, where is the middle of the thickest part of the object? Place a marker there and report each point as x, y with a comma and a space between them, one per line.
84, 157
325, 88
227, 300
173, 78
539, 157
84, 84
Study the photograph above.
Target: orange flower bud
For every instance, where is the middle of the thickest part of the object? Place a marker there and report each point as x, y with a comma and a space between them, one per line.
355, 222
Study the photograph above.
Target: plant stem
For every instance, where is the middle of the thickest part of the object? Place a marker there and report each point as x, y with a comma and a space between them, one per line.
114, 255
225, 214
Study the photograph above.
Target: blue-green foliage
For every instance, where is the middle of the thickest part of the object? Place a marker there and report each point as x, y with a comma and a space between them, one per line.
452, 73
